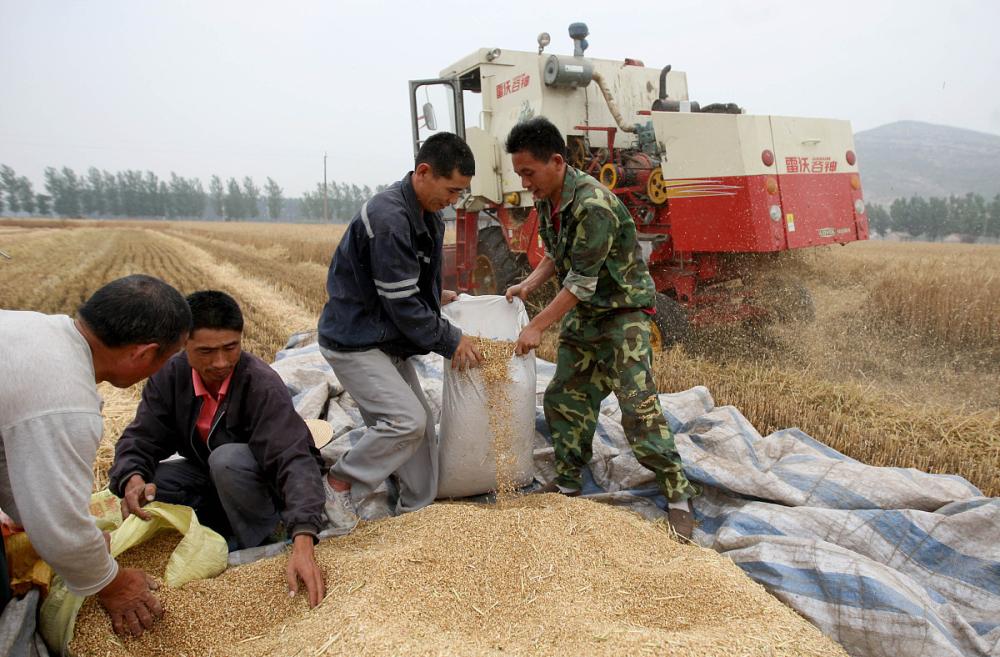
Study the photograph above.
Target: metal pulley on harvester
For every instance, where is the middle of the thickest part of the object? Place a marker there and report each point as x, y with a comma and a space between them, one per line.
636, 170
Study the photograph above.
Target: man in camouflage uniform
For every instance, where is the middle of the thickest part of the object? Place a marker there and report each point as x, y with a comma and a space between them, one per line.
605, 304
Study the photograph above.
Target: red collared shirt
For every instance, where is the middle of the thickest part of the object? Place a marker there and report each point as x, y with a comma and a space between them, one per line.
209, 404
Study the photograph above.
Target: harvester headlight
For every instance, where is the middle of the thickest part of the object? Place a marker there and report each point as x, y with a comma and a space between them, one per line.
775, 212
543, 40
514, 198
859, 206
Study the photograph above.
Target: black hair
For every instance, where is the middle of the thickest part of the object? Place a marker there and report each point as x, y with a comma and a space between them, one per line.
137, 309
537, 136
213, 309
445, 152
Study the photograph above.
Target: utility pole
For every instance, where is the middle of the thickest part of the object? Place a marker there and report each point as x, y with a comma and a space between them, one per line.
326, 203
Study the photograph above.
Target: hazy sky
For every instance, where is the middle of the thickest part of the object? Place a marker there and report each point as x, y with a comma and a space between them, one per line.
262, 89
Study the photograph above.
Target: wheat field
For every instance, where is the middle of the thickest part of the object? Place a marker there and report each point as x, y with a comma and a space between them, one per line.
900, 368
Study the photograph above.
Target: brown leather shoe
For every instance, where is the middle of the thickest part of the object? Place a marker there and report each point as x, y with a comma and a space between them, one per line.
682, 522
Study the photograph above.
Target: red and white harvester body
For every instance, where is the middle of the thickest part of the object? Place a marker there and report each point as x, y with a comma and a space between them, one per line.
711, 188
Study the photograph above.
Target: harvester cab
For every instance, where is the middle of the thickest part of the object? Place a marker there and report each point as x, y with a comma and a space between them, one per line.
711, 188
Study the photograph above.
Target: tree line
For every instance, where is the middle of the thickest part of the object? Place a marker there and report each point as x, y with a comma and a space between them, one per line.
135, 193
970, 216
343, 199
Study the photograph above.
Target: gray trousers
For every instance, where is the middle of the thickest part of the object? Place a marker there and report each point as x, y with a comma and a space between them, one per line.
400, 439
231, 496
18, 628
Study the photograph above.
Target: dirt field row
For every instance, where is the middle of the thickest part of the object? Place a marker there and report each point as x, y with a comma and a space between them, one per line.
901, 366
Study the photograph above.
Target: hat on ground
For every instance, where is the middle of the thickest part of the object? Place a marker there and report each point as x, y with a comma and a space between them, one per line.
322, 432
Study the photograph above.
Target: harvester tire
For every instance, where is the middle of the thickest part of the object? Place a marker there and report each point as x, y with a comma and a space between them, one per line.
496, 267
670, 323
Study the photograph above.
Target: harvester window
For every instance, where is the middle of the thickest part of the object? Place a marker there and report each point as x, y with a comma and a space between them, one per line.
472, 98
471, 81
445, 105
434, 106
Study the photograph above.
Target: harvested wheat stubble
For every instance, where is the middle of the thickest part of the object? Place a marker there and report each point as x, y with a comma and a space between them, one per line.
542, 575
118, 411
496, 376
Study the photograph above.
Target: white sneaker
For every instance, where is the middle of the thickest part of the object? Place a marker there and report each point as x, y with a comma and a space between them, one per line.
339, 508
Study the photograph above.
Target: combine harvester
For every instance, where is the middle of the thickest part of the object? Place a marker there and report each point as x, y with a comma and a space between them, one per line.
716, 194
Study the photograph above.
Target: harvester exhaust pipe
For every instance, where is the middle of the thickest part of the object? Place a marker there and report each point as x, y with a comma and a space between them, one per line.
663, 82
663, 104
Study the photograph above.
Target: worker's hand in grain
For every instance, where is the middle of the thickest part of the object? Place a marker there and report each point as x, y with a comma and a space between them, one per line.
447, 296
130, 603
466, 355
137, 494
302, 566
529, 339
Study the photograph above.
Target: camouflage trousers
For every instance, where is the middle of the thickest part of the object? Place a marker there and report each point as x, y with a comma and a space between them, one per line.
597, 356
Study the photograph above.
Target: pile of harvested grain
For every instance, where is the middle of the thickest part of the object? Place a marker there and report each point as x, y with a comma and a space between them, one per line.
543, 575
496, 375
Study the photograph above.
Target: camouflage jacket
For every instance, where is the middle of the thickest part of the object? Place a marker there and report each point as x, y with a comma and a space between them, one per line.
594, 246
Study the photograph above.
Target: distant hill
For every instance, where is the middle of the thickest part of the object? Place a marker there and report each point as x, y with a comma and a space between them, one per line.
910, 158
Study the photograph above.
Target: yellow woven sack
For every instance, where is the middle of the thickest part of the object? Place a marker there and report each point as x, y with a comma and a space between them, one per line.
201, 554
106, 509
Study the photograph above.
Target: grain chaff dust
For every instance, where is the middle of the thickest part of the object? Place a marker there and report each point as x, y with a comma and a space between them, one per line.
541, 575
